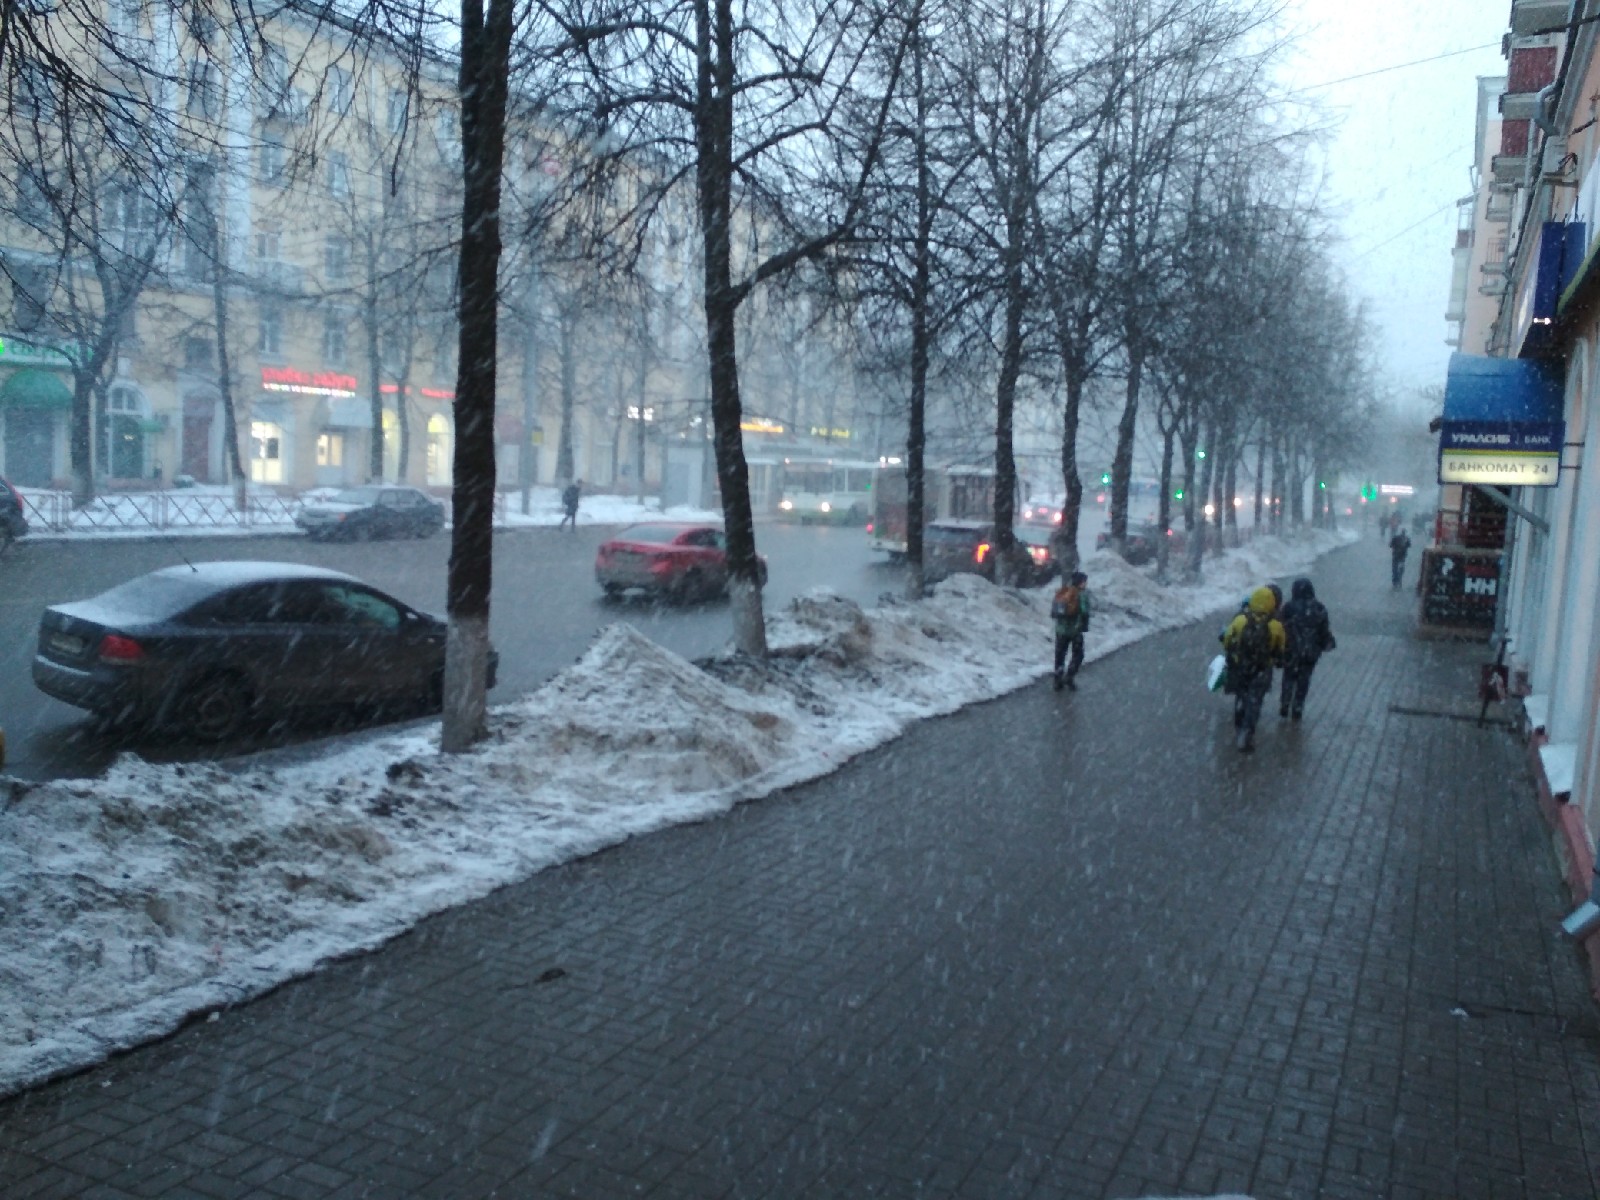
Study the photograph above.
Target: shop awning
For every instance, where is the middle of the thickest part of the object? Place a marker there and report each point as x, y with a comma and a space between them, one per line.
35, 389
1502, 422
1478, 388
348, 413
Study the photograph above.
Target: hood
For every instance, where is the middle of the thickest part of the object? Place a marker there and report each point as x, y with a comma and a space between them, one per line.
1263, 601
1303, 590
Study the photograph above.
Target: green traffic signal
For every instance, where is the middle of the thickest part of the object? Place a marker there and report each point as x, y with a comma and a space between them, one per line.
1177, 494
1105, 477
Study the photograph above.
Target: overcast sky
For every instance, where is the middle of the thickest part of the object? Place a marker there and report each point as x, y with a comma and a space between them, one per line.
1402, 153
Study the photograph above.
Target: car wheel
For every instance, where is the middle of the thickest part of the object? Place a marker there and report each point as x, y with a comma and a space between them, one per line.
217, 708
690, 587
612, 590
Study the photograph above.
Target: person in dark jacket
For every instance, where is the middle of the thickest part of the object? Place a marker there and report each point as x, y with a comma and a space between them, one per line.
569, 504
1399, 547
1069, 609
1306, 628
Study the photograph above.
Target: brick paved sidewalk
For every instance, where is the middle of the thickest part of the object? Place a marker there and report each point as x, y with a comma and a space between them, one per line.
1054, 946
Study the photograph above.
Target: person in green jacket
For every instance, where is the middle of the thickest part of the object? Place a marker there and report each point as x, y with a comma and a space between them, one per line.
1069, 608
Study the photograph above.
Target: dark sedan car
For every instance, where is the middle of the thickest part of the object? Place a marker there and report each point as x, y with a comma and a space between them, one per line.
374, 511
1143, 543
684, 561
13, 514
201, 650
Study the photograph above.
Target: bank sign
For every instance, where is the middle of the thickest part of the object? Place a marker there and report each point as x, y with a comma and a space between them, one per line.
1511, 454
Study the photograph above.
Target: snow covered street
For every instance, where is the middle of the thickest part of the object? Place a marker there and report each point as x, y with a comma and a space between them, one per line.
133, 901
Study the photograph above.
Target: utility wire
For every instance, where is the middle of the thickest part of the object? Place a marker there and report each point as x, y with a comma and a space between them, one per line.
1396, 237
1416, 62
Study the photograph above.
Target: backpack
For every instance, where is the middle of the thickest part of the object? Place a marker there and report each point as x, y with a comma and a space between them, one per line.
1067, 604
1252, 649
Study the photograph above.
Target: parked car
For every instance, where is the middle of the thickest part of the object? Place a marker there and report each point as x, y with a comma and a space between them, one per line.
680, 560
202, 650
374, 511
13, 514
1143, 542
967, 547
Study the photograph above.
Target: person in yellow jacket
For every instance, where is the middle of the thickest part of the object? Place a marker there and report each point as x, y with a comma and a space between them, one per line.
1254, 643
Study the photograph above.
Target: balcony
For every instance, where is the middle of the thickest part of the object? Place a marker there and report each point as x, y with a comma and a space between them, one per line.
1531, 16
1498, 209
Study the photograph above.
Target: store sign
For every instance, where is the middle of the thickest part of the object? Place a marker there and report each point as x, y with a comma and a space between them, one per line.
1510, 454
1460, 588
389, 389
835, 435
307, 383
760, 425
20, 352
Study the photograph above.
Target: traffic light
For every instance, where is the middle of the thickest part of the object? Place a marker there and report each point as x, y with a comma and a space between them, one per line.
1369, 491
1322, 485
1177, 493
1105, 478
1199, 453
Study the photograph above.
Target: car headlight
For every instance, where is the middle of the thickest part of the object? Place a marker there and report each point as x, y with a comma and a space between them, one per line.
786, 505
825, 506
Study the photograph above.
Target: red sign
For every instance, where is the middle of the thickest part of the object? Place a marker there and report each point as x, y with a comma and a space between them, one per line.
307, 383
389, 389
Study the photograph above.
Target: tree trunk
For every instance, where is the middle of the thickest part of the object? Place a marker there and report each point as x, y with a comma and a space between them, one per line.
1261, 479
1232, 514
230, 419
1122, 460
565, 469
485, 59
1202, 532
1164, 507
714, 28
374, 374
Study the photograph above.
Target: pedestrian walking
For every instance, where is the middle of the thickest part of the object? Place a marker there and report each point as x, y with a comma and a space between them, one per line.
1069, 608
1399, 547
1253, 642
1306, 628
569, 504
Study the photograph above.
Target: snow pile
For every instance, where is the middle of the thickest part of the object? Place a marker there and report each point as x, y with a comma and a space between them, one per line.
130, 902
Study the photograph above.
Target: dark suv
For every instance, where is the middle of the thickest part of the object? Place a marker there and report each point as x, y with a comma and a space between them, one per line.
13, 515
957, 547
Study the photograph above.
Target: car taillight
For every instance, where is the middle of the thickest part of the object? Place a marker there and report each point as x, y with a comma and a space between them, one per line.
869, 526
983, 551
1040, 553
114, 648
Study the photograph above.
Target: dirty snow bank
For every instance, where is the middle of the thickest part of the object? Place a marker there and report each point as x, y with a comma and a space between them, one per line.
129, 902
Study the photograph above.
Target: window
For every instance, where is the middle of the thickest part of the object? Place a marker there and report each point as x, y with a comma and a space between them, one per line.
124, 18
35, 95
333, 340
267, 245
398, 110
274, 68
341, 92
339, 173
197, 354
29, 293
33, 204
273, 159
266, 452
438, 449
330, 450
205, 89
447, 135
336, 259
359, 607
269, 340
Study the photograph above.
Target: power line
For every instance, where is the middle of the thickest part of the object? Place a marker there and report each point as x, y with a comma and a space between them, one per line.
1416, 62
1396, 237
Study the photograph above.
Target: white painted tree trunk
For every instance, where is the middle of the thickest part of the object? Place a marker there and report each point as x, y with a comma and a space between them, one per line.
466, 677
749, 623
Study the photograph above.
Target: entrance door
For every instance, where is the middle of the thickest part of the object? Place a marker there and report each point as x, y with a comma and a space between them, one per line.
30, 446
197, 446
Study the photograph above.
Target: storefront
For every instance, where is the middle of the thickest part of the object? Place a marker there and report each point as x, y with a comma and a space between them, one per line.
36, 406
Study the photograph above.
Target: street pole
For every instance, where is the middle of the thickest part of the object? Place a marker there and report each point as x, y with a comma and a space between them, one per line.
530, 386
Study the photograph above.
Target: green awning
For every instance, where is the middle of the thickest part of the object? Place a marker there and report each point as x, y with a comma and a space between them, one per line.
35, 389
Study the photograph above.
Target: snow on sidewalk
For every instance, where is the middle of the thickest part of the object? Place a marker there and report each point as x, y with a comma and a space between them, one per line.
130, 902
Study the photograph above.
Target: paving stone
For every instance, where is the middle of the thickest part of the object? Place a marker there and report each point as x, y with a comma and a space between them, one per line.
1114, 959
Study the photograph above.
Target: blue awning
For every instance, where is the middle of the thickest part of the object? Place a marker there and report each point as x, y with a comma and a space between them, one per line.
1503, 390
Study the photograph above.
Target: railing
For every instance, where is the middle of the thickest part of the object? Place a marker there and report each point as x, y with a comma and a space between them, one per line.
169, 511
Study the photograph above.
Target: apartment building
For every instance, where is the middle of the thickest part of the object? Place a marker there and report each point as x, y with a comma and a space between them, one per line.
299, 190
1522, 411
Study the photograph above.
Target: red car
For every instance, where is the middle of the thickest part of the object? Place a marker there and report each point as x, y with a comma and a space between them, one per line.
679, 560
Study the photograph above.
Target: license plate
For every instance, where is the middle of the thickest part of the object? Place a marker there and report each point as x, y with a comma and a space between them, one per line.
66, 643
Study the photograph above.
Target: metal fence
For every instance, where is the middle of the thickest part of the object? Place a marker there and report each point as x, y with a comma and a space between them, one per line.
170, 511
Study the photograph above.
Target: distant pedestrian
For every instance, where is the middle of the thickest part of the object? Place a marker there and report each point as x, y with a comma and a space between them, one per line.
1069, 608
1305, 625
1399, 547
569, 504
1253, 642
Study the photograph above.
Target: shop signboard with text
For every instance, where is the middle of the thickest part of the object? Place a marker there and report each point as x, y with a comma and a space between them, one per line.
1503, 453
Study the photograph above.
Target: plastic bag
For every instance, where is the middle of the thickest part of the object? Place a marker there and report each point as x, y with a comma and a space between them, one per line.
1217, 674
